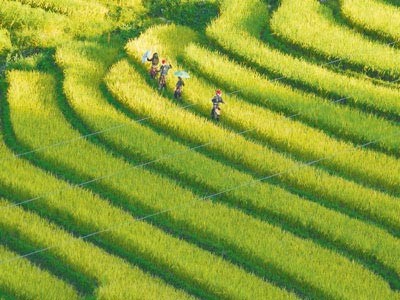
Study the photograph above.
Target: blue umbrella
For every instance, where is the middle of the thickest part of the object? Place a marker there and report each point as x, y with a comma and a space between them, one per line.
182, 74
145, 56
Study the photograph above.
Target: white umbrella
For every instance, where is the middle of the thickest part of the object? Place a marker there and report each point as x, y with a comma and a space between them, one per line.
182, 74
145, 56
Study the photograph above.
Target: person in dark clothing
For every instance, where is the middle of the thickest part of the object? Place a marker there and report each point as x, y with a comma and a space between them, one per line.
155, 60
216, 100
179, 88
163, 74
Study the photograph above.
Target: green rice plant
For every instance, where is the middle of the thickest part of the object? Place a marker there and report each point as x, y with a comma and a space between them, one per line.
26, 281
33, 26
373, 15
259, 242
124, 12
5, 42
311, 25
342, 121
116, 278
124, 82
85, 19
18, 16
377, 169
89, 212
237, 30
36, 27
122, 3
262, 198
370, 167
89, 9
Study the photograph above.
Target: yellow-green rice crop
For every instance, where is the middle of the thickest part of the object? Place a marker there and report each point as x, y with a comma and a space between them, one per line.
33, 26
258, 241
205, 270
125, 83
26, 281
116, 278
301, 231
263, 198
374, 15
214, 175
123, 3
311, 25
343, 121
82, 8
237, 30
36, 27
5, 42
372, 167
84, 18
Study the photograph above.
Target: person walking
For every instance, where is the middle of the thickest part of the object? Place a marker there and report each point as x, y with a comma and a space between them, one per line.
216, 101
163, 74
179, 88
155, 60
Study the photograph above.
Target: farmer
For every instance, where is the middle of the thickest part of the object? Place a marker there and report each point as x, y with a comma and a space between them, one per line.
163, 74
154, 65
216, 100
179, 88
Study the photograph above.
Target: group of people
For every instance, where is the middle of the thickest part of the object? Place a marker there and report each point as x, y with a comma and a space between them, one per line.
155, 61
162, 84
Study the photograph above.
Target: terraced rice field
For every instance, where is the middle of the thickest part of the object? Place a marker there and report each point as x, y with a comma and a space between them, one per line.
112, 189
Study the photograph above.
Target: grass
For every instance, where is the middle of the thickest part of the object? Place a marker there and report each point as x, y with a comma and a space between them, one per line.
5, 42
245, 43
39, 284
183, 167
307, 233
47, 262
178, 262
333, 41
285, 135
373, 15
220, 228
121, 88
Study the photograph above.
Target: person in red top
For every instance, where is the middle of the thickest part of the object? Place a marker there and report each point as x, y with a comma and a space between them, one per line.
216, 100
